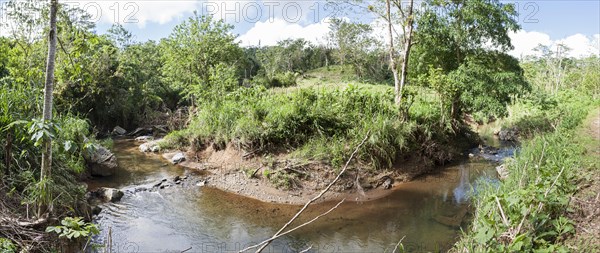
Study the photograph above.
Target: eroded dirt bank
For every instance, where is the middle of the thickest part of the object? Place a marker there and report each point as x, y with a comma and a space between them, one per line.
282, 179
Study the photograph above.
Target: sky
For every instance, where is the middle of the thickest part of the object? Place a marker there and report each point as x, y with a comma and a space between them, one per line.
575, 24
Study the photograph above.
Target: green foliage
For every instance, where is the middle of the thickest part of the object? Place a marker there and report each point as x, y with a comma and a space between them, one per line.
322, 124
284, 79
356, 46
536, 194
7, 246
461, 55
20, 151
289, 56
194, 51
543, 175
74, 228
546, 109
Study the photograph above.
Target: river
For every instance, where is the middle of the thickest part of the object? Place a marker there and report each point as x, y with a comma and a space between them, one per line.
204, 219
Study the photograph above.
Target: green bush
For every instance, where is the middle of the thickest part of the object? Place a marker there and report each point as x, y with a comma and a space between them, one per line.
20, 104
7, 246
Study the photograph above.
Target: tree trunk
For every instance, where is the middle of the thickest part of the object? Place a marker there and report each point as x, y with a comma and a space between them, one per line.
393, 65
48, 89
407, 46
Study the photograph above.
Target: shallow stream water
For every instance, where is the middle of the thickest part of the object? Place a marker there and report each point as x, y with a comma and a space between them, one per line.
204, 219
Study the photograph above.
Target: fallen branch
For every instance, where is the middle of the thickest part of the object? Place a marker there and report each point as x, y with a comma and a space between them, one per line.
339, 175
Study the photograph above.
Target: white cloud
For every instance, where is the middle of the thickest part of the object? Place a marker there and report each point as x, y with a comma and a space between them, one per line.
579, 44
138, 12
163, 11
524, 43
268, 33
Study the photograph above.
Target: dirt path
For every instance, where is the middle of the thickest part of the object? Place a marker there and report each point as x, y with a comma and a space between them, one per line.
586, 202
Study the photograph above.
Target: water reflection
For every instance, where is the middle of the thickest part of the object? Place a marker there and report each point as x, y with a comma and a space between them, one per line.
210, 220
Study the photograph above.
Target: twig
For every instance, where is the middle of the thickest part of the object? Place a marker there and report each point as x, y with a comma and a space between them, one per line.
398, 244
188, 249
276, 235
265, 243
254, 173
550, 188
501, 212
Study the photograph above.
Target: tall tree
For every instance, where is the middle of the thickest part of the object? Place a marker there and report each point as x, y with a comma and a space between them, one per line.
48, 89
464, 41
396, 14
194, 49
408, 35
354, 44
392, 49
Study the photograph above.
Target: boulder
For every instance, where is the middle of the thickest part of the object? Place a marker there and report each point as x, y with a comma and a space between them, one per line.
202, 183
119, 131
101, 162
151, 146
178, 158
141, 131
387, 183
502, 172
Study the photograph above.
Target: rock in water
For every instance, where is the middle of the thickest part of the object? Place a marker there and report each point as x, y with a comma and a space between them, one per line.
387, 184
151, 146
145, 138
502, 172
141, 131
101, 161
119, 131
178, 158
105, 195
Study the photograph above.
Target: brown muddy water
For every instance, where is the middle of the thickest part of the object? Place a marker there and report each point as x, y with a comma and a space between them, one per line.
204, 219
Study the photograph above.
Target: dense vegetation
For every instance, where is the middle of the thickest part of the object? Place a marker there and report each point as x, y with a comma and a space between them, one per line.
530, 210
314, 102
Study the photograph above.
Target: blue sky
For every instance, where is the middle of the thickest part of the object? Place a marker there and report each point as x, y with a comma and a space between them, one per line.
575, 23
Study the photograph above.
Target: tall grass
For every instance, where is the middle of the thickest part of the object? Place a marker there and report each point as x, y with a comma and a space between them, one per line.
527, 212
20, 157
321, 123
